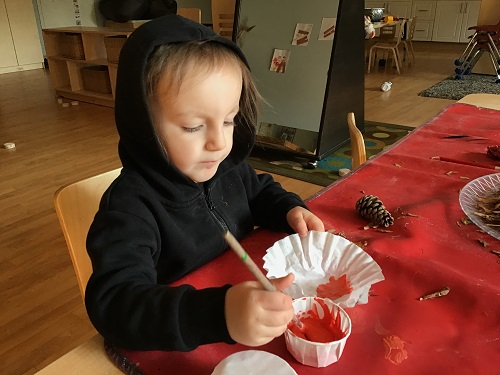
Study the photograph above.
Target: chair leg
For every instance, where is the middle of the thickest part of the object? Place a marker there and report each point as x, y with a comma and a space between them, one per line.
412, 52
400, 59
370, 57
396, 60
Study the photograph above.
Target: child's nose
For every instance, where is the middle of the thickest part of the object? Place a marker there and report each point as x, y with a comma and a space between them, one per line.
216, 139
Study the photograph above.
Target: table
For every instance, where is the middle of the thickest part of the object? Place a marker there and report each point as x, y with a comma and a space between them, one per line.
458, 333
379, 25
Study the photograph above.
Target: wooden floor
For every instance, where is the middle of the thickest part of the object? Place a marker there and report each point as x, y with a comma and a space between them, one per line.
41, 312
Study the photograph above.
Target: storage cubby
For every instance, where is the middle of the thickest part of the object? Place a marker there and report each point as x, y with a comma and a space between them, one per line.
89, 76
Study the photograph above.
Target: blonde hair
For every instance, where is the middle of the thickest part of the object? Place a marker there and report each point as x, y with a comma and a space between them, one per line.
176, 60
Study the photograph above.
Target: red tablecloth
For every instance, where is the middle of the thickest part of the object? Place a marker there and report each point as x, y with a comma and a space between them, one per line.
455, 334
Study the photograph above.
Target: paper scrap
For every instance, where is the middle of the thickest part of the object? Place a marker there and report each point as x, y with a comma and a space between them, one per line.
280, 60
302, 33
327, 30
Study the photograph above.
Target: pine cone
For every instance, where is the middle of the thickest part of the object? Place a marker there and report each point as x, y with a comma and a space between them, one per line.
494, 152
372, 208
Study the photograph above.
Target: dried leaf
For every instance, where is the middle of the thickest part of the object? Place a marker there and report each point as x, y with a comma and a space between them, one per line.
483, 242
437, 294
464, 178
412, 215
458, 223
465, 221
362, 244
497, 253
397, 165
384, 230
451, 172
435, 157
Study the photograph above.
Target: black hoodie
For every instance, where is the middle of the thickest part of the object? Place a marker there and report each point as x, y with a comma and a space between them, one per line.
155, 225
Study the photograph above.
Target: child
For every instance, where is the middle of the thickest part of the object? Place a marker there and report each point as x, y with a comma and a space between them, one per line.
185, 110
369, 29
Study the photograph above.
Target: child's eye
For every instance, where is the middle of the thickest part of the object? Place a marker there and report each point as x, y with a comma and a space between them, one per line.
192, 130
229, 123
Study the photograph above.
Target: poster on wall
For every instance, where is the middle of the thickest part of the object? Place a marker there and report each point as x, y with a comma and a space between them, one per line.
327, 30
302, 33
280, 60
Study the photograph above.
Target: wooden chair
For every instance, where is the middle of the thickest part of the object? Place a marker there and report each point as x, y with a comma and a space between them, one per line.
76, 205
223, 17
358, 150
193, 14
407, 41
389, 40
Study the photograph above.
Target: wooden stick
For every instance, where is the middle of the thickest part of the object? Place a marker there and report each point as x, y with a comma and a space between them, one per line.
235, 245
474, 164
238, 249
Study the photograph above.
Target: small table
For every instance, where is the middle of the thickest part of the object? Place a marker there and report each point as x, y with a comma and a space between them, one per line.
379, 25
431, 251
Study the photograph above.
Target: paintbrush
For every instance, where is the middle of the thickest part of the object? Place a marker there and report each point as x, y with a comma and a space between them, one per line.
252, 267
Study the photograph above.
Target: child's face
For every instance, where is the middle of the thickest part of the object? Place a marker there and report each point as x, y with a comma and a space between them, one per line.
195, 124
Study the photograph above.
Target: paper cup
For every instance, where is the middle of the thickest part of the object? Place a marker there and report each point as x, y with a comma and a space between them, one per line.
317, 354
318, 257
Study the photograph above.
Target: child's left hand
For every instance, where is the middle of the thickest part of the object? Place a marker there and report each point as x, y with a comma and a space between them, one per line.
302, 221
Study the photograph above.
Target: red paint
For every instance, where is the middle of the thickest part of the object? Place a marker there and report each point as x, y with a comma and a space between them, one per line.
335, 288
394, 349
316, 329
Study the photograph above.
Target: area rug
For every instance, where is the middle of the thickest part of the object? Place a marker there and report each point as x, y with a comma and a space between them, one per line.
456, 89
377, 136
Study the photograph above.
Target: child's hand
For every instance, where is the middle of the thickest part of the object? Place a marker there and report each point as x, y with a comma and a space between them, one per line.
302, 221
255, 316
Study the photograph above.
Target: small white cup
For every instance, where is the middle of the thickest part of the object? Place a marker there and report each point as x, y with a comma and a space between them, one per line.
317, 354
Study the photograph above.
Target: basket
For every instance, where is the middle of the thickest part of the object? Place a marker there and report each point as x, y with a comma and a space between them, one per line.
71, 45
113, 46
96, 79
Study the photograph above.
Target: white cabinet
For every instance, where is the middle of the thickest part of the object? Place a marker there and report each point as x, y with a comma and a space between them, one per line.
400, 9
471, 15
20, 46
395, 8
425, 12
452, 20
7, 49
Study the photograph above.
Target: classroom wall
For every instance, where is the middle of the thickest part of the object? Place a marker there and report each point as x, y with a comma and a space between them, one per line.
60, 13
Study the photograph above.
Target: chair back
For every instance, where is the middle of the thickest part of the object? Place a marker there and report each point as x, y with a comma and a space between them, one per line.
410, 28
193, 14
223, 17
76, 205
392, 34
358, 149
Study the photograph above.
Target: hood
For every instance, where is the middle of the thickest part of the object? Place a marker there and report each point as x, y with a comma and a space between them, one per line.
138, 147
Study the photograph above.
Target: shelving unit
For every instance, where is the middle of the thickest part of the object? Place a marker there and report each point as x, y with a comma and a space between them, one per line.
66, 72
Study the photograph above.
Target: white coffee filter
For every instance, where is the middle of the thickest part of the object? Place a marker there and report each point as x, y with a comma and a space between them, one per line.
253, 362
318, 256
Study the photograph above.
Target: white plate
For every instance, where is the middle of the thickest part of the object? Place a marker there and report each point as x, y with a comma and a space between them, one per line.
479, 188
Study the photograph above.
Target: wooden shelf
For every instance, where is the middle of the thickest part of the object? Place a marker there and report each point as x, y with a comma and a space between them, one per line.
66, 72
